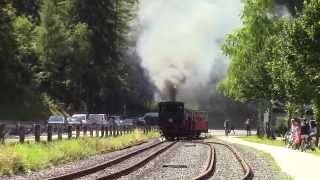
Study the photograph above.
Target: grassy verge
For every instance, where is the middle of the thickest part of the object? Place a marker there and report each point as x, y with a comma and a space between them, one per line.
264, 140
22, 158
274, 166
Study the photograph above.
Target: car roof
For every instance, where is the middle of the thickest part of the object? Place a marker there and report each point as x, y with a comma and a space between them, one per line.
56, 116
79, 115
152, 114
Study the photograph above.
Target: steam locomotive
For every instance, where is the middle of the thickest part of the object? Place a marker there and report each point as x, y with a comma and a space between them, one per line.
176, 122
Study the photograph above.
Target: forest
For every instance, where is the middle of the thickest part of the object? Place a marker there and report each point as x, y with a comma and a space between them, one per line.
66, 56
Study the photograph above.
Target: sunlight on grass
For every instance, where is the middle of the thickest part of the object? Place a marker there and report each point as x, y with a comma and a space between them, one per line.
15, 158
263, 140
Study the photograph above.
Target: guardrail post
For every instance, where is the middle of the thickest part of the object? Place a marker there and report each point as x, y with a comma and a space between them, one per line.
60, 128
91, 130
114, 130
85, 128
117, 130
37, 132
21, 134
77, 131
69, 131
49, 135
107, 132
102, 130
2, 133
97, 131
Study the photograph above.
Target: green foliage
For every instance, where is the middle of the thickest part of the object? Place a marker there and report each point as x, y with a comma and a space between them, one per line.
77, 58
275, 58
17, 158
247, 77
281, 127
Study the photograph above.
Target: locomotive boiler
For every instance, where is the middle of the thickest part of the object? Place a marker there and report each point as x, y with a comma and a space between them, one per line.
176, 122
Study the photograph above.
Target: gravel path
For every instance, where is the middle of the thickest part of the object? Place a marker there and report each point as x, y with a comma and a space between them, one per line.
124, 164
76, 165
227, 166
182, 161
259, 163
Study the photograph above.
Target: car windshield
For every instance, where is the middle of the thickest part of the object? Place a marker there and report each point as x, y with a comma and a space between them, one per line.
79, 117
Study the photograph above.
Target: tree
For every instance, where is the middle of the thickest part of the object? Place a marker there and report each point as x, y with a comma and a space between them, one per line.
64, 50
107, 80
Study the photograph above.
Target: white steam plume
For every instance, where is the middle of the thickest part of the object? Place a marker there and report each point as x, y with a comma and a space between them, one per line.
180, 39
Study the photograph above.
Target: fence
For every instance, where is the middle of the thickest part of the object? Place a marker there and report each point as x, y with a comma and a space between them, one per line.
67, 131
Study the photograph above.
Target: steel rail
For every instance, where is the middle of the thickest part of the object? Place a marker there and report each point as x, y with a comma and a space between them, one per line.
103, 165
248, 173
137, 165
211, 163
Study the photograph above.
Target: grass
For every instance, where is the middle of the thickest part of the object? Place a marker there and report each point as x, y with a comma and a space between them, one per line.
280, 175
23, 158
274, 166
264, 140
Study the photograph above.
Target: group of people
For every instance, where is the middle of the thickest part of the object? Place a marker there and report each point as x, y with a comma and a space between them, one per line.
302, 131
229, 127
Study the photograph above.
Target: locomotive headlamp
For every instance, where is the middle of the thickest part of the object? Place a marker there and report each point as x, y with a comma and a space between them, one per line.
170, 120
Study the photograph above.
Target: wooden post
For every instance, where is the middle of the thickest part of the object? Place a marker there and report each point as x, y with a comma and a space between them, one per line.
107, 133
85, 129
60, 132
121, 130
91, 130
113, 131
69, 132
21, 134
102, 130
2, 133
49, 135
77, 131
97, 131
37, 132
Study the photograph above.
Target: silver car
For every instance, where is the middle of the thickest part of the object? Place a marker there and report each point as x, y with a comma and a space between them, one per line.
56, 119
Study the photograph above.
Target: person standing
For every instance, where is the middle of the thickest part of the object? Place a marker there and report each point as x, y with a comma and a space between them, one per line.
226, 126
247, 123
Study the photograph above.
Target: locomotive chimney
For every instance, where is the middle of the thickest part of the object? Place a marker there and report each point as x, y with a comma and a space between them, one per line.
171, 91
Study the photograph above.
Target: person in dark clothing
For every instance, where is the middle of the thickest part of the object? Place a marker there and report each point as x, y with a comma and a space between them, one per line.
247, 123
305, 127
226, 125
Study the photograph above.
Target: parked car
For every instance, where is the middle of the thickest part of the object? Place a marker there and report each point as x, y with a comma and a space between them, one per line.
128, 122
100, 119
115, 120
77, 119
151, 118
56, 120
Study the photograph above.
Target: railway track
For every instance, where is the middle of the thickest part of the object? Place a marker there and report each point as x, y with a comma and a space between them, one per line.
113, 162
246, 169
137, 159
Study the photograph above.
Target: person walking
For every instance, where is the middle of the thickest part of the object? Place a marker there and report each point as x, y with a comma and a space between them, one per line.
226, 126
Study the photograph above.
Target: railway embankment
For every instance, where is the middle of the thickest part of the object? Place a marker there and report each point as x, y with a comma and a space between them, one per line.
18, 161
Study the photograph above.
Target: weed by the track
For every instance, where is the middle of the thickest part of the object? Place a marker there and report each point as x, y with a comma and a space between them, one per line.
16, 158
